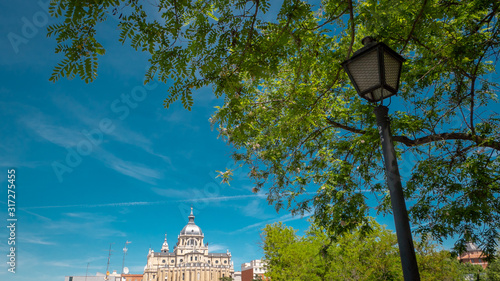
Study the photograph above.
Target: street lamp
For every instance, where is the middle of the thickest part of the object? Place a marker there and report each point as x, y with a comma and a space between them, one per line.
375, 70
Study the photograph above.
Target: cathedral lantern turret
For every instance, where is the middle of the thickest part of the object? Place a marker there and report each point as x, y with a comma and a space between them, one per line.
164, 247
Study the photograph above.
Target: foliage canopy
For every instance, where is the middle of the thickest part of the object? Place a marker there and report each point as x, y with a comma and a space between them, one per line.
353, 257
292, 116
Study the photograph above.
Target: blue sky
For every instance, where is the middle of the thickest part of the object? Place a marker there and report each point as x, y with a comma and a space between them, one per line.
105, 163
140, 166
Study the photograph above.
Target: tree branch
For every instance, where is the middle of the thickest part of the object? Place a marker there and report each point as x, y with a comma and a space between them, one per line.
345, 127
448, 136
414, 25
351, 19
480, 141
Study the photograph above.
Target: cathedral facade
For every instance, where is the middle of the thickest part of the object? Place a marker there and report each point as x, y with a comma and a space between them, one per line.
190, 259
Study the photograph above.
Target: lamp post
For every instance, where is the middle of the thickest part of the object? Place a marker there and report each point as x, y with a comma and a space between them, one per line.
375, 70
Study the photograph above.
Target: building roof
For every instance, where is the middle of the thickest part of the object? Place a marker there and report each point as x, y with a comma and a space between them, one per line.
191, 228
163, 254
471, 247
218, 255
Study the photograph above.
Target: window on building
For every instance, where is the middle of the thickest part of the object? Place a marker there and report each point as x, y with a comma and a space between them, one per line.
225, 261
163, 261
180, 260
71, 278
172, 261
216, 261
182, 276
195, 258
198, 276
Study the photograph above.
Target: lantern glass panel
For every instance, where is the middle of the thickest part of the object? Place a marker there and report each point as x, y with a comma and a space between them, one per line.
392, 67
365, 70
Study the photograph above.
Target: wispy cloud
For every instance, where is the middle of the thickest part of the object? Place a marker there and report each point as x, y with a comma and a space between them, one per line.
35, 214
197, 195
68, 137
121, 133
217, 247
77, 263
90, 224
61, 264
175, 193
47, 130
254, 209
261, 224
132, 169
34, 239
142, 203
118, 204
219, 198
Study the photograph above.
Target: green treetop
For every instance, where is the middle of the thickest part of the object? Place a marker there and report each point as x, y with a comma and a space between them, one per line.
355, 256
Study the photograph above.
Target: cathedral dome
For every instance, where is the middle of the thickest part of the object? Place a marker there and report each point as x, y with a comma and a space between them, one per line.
191, 228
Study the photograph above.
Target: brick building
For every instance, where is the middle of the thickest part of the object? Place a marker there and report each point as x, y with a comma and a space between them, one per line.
473, 255
252, 270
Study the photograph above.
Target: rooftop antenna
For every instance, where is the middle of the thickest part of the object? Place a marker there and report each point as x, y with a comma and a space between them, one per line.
125, 253
109, 257
87, 273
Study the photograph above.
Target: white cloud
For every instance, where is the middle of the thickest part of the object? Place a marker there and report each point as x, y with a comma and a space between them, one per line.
55, 134
254, 208
31, 239
118, 204
198, 195
89, 224
175, 193
217, 247
284, 218
67, 137
132, 169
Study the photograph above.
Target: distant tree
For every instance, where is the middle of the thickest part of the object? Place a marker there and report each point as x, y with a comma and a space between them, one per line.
493, 269
226, 278
473, 272
355, 256
291, 114
436, 264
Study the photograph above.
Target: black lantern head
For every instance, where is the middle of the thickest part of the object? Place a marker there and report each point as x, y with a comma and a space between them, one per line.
374, 70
